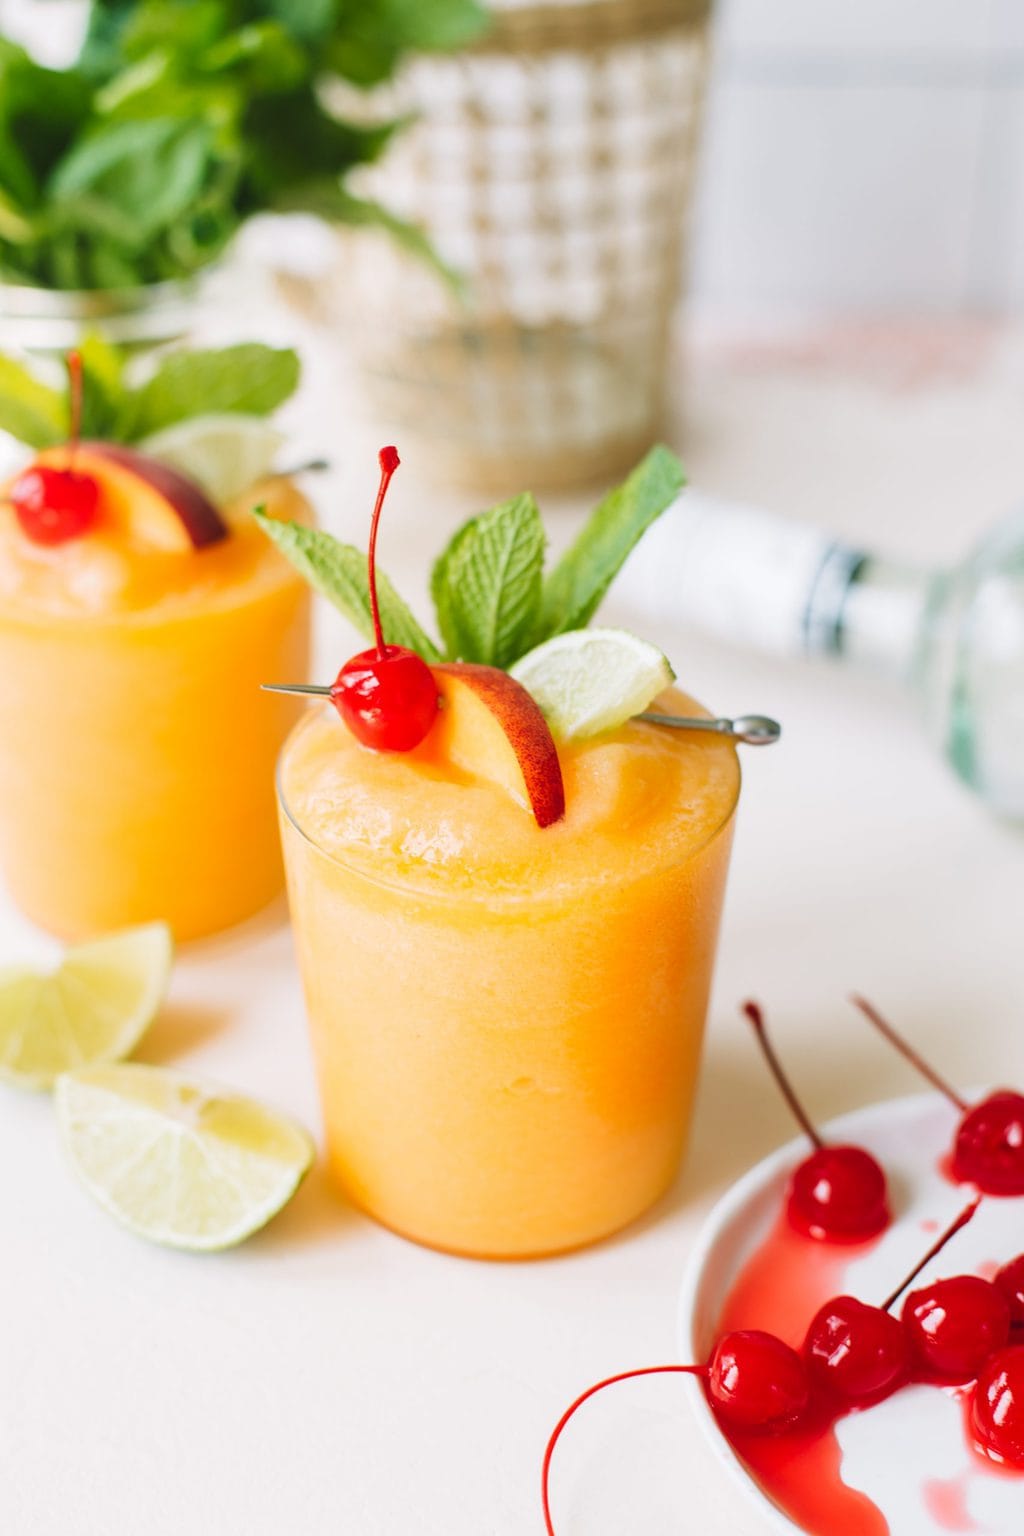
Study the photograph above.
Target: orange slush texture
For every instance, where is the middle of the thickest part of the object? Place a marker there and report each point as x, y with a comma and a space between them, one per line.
507, 1021
136, 749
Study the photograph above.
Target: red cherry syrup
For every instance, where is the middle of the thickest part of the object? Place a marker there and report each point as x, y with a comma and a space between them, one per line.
54, 505
988, 1150
387, 695
838, 1194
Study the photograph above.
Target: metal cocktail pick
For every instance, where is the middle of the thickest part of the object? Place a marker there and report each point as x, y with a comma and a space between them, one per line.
754, 730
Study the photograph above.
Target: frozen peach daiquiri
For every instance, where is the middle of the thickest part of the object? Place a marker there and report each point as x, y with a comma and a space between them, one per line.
139, 611
505, 888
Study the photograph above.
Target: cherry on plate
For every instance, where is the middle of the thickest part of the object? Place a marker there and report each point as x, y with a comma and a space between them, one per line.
838, 1194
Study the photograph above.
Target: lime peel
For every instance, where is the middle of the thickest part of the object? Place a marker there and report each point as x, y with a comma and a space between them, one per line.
225, 453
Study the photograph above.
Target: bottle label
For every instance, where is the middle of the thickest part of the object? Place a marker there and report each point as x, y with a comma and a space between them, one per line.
751, 576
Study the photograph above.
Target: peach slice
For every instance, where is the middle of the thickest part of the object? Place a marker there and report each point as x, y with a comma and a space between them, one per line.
158, 505
490, 726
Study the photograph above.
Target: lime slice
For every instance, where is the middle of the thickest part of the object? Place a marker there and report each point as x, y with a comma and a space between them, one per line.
225, 454
95, 1007
178, 1161
591, 680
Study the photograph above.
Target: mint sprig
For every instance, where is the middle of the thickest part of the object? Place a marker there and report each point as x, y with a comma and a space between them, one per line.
249, 379
575, 588
487, 584
492, 601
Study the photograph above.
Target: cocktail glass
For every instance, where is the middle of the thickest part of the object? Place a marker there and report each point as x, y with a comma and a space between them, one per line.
506, 1021
136, 749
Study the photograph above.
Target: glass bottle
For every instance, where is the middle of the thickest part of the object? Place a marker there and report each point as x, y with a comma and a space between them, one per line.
954, 636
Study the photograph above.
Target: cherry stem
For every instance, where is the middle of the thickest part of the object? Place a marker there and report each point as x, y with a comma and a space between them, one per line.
389, 461
609, 1381
940, 1242
756, 1017
883, 1026
74, 366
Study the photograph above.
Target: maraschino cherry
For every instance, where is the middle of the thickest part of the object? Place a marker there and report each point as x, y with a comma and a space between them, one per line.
989, 1147
387, 695
857, 1353
54, 505
756, 1383
953, 1325
997, 1406
838, 1194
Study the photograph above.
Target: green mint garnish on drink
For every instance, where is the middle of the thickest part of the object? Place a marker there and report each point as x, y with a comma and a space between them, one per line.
249, 380
495, 605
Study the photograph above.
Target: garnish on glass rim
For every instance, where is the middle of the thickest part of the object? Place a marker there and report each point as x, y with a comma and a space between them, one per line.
387, 695
55, 503
496, 607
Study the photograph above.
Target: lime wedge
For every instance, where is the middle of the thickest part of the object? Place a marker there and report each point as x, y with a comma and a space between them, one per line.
591, 680
225, 454
95, 1007
178, 1161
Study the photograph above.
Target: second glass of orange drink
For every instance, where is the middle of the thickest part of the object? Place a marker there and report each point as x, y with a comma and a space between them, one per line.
506, 898
139, 611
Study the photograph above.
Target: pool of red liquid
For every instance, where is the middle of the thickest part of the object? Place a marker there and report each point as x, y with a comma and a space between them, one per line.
780, 1288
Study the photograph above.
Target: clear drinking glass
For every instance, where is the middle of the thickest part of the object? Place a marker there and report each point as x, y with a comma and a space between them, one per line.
506, 1021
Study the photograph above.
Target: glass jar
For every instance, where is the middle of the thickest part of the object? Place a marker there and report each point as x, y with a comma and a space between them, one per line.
552, 165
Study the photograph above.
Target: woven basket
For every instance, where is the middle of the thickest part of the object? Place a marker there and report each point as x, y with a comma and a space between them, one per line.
552, 165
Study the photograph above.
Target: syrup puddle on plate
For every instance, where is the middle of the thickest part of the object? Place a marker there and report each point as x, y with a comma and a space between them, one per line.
903, 1467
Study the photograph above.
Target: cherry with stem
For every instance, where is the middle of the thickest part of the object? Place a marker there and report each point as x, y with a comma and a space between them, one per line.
53, 505
988, 1149
858, 1353
838, 1194
386, 695
755, 1382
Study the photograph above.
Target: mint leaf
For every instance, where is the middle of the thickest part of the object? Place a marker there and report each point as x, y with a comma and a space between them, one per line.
103, 388
249, 379
576, 585
338, 571
30, 411
487, 584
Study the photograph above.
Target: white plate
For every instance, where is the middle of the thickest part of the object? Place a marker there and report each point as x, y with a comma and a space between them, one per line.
908, 1454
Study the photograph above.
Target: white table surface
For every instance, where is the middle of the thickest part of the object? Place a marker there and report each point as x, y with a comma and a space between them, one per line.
330, 1378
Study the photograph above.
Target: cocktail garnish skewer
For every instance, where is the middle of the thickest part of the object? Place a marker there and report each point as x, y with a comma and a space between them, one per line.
754, 730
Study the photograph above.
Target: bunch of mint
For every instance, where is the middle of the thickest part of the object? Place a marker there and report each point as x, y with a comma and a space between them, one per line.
249, 379
493, 599
182, 118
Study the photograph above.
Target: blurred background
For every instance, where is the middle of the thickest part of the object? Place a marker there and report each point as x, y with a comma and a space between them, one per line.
863, 157
525, 240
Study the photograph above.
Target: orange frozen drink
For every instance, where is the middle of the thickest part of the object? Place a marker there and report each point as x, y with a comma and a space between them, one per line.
137, 620
507, 1019
505, 888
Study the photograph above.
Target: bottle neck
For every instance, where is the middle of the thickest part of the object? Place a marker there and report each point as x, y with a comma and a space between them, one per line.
882, 618
759, 579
